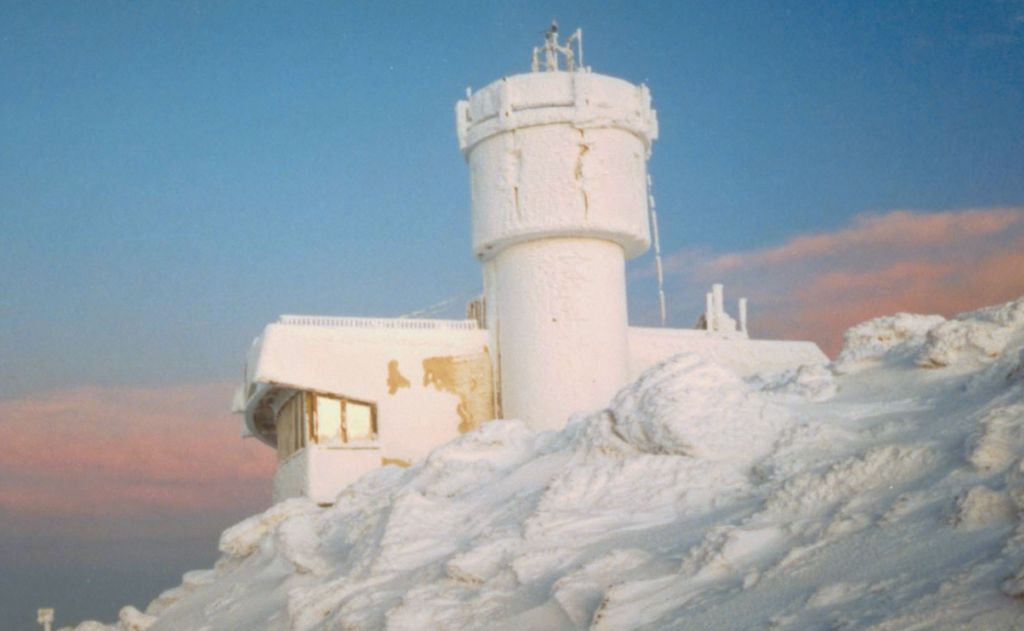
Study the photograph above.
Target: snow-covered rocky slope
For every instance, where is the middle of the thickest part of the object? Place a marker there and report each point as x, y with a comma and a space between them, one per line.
884, 491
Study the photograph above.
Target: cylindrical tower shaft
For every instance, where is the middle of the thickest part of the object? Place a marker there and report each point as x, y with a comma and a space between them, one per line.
562, 327
558, 178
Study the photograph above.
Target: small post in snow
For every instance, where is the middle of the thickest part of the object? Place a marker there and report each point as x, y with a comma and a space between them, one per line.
45, 618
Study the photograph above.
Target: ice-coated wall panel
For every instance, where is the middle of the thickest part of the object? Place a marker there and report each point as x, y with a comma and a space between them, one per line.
321, 472
556, 181
562, 328
331, 469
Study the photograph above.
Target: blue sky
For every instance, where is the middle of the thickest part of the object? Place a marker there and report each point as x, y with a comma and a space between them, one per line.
173, 176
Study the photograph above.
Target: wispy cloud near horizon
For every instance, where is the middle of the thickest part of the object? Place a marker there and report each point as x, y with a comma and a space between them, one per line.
816, 286
105, 454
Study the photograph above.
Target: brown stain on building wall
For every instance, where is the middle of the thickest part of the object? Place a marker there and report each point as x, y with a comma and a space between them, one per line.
396, 381
401, 462
467, 377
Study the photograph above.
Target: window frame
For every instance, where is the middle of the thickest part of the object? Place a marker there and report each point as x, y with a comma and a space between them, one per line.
314, 425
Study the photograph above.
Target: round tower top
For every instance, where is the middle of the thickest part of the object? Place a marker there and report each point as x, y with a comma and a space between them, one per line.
560, 89
560, 152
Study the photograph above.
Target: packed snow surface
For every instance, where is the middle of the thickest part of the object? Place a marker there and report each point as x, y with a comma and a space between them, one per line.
884, 491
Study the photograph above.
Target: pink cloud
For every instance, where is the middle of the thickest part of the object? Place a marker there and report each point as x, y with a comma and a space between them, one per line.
816, 286
114, 452
901, 229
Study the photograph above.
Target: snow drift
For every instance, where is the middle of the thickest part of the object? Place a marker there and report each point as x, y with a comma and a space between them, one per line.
884, 491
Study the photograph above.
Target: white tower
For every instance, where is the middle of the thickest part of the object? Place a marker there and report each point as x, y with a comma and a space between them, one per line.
558, 176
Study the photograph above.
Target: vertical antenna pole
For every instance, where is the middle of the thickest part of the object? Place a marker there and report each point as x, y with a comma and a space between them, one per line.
551, 48
579, 47
657, 245
718, 296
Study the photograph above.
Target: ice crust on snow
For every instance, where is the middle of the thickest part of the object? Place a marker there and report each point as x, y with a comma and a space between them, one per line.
998, 441
814, 382
976, 335
884, 492
131, 619
884, 337
981, 507
695, 408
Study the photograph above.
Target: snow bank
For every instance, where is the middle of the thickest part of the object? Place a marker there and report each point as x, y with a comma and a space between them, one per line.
696, 408
885, 337
814, 382
981, 507
884, 492
130, 619
997, 442
977, 335
973, 338
244, 538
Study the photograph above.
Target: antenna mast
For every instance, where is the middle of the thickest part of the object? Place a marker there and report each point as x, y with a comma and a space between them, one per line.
552, 50
657, 250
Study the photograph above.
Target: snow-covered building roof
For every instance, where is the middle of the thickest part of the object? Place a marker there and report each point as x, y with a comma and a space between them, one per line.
349, 356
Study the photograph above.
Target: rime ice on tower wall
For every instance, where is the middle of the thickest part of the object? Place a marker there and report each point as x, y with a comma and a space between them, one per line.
557, 164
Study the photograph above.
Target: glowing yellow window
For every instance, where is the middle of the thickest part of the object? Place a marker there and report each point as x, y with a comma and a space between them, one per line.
328, 419
342, 420
358, 421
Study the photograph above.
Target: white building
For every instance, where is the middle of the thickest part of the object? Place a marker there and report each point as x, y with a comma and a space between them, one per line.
558, 179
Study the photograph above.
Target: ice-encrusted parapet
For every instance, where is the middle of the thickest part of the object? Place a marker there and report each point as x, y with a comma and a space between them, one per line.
585, 99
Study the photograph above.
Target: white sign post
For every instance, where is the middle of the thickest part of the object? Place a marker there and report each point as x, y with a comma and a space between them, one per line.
45, 618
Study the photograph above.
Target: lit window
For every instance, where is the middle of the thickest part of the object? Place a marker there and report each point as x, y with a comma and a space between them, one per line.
342, 420
328, 419
358, 421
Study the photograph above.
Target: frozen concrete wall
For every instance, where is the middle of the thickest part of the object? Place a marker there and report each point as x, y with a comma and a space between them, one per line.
562, 328
331, 469
320, 472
